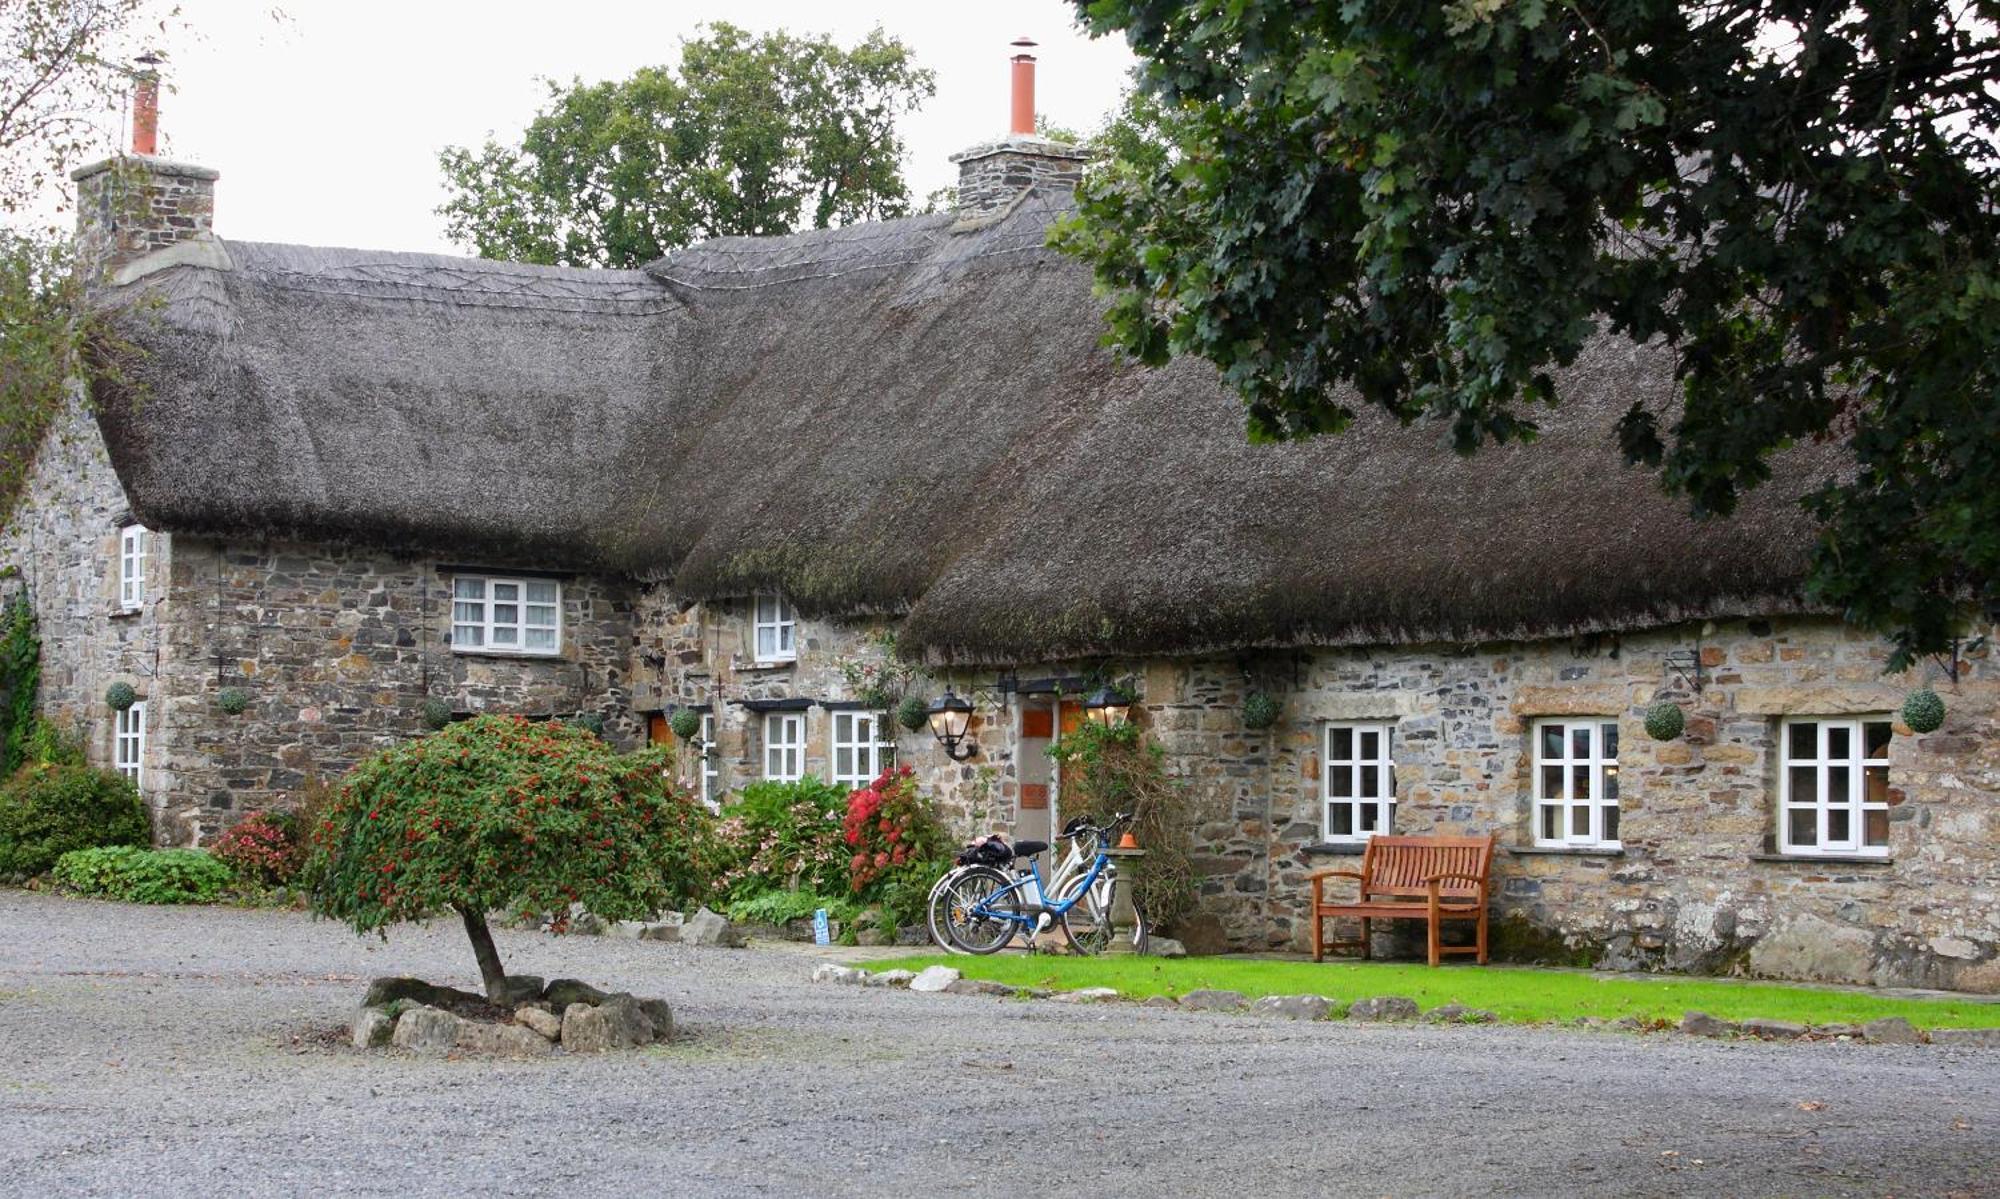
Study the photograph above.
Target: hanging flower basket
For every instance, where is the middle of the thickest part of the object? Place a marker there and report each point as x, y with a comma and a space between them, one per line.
436, 714
233, 700
120, 696
913, 713
1261, 710
1923, 711
685, 722
1665, 721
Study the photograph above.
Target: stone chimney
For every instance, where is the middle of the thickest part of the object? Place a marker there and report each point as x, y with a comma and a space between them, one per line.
992, 174
130, 205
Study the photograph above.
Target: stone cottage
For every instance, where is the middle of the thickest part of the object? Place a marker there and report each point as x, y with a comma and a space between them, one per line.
348, 483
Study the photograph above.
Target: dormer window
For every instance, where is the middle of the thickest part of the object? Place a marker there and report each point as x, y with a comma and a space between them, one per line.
775, 629
131, 568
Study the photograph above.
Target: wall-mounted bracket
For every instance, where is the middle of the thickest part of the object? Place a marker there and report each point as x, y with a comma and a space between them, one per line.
1686, 663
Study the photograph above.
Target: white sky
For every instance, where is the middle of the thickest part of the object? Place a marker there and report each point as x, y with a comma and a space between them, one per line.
326, 125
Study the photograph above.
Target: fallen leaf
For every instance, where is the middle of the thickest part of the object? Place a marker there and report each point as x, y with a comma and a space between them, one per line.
1811, 1105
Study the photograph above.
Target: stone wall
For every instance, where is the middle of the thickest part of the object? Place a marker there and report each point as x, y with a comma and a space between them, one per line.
991, 174
130, 206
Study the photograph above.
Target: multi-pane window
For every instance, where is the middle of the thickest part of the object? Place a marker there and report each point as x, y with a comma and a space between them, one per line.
128, 747
784, 746
711, 764
860, 750
1358, 786
776, 629
1834, 787
1576, 783
131, 567
513, 616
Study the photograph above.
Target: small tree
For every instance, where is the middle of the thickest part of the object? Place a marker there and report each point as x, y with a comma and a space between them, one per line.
496, 813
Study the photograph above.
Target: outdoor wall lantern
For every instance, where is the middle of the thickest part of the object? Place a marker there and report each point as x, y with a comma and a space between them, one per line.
1107, 707
950, 716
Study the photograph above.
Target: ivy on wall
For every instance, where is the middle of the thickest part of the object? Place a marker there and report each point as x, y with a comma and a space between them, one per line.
20, 678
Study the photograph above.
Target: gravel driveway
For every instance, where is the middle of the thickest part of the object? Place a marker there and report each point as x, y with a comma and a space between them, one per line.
163, 1051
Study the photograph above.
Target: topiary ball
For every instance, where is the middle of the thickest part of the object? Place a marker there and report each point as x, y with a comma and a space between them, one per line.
685, 722
1665, 720
120, 696
233, 700
913, 713
1923, 711
589, 722
436, 713
1260, 710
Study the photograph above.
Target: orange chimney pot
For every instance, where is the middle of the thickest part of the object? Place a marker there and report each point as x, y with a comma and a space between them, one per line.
146, 114
1023, 123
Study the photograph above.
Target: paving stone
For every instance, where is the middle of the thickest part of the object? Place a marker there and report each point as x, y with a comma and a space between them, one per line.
1458, 1013
1981, 1038
1294, 1007
979, 986
1086, 995
1383, 1008
1778, 1030
1701, 1024
1208, 1000
1891, 1030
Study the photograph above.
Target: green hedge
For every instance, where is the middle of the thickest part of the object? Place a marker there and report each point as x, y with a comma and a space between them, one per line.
145, 875
47, 811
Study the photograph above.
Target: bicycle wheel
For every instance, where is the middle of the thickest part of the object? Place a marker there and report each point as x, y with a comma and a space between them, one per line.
937, 911
978, 904
1087, 926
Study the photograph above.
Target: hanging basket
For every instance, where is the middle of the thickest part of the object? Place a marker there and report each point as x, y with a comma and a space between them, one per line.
1923, 711
233, 700
436, 714
1261, 710
685, 722
1665, 721
120, 696
913, 713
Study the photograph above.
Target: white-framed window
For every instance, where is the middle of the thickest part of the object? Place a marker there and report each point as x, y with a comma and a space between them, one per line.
860, 748
775, 629
1576, 782
131, 567
1358, 785
128, 746
1833, 787
784, 746
510, 616
711, 764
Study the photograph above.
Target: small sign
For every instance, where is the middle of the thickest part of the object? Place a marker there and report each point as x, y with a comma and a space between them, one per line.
820, 934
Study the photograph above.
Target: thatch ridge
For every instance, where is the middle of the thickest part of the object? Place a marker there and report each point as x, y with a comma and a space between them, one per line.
905, 416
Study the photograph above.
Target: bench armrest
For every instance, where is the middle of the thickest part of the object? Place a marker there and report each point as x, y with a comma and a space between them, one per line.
1464, 878
1318, 880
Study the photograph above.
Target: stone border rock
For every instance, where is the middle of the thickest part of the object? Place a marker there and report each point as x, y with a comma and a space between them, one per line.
408, 1013
945, 980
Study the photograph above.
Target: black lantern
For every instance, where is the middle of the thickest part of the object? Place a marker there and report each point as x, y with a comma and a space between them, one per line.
1107, 707
950, 717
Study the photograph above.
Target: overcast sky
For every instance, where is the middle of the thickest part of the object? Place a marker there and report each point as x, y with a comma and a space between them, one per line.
326, 124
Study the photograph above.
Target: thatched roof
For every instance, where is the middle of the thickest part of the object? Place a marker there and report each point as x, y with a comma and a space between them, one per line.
892, 417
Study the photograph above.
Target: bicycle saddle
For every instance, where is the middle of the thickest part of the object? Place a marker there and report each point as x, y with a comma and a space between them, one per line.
1028, 849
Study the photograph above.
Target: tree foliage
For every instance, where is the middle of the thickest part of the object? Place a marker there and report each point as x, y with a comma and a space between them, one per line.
500, 813
1428, 207
749, 135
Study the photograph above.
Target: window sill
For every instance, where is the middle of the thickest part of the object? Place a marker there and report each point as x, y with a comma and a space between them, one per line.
126, 613
1566, 851
764, 663
512, 655
1824, 859
1337, 849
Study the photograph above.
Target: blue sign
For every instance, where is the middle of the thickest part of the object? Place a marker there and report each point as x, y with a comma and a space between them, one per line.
820, 933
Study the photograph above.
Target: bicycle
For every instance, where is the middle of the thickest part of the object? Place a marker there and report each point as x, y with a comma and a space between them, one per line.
986, 909
994, 851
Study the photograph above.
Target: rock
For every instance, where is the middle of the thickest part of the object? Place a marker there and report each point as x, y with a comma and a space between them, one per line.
372, 1027
913, 934
1203, 935
385, 991
871, 938
1086, 995
1785, 1030
1165, 947
625, 930
933, 979
585, 923
617, 1023
661, 930
1206, 1000
546, 1024
426, 1030
563, 992
978, 986
662, 1017
501, 1040
1836, 1030
1034, 992
1979, 1038
1701, 1024
1458, 1013
831, 972
514, 990
1890, 1030
1383, 1008
1820, 950
1158, 1001
1294, 1007
1629, 1024
889, 978
710, 928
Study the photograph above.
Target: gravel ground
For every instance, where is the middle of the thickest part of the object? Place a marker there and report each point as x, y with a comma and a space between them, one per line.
162, 1051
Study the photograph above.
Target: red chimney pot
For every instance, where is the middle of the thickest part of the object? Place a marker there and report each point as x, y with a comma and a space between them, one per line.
1023, 123
146, 113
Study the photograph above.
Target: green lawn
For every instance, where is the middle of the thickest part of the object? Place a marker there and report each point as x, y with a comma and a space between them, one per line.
1518, 995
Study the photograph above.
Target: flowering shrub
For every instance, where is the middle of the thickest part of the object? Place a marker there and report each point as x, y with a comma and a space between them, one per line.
264, 848
497, 812
783, 837
895, 841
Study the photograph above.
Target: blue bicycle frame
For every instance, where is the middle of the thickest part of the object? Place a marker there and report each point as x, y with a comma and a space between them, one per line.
1029, 918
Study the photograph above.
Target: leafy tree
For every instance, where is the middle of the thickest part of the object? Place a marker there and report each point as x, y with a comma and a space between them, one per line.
1427, 207
751, 135
495, 813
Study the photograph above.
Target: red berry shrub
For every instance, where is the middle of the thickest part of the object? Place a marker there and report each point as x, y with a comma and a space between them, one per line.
264, 847
896, 843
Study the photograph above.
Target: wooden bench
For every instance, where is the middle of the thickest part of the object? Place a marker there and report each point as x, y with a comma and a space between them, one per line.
1432, 879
